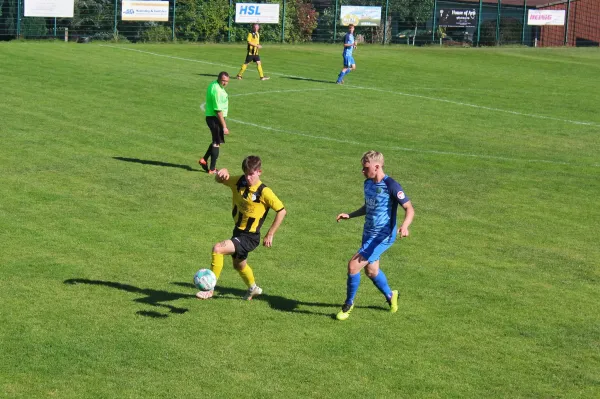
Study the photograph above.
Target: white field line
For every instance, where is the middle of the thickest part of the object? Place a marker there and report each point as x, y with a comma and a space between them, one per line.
450, 153
459, 103
297, 133
478, 106
273, 129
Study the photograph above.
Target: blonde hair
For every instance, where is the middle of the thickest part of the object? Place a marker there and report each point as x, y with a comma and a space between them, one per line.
372, 156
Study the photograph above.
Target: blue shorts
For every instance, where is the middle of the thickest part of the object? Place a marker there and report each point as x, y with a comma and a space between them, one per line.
348, 61
373, 247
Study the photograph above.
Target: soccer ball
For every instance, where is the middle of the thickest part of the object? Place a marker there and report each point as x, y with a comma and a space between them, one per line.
205, 280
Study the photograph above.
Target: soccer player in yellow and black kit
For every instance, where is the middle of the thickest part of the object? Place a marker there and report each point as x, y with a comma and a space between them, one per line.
251, 203
252, 53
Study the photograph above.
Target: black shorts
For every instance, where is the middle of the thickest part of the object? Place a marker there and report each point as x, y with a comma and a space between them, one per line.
218, 135
252, 58
244, 243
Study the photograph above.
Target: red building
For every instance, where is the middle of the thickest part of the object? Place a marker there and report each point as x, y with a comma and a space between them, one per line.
582, 27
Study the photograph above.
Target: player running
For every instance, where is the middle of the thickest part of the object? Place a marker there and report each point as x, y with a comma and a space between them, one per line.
382, 196
251, 202
349, 64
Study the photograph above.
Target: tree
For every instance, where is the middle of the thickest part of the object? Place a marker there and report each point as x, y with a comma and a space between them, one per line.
301, 21
415, 11
8, 19
510, 32
202, 20
93, 16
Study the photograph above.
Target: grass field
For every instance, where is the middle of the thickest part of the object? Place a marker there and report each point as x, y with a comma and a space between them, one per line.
105, 216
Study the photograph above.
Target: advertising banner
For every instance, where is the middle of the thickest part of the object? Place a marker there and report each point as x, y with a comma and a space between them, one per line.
49, 8
360, 16
256, 13
458, 18
546, 17
145, 11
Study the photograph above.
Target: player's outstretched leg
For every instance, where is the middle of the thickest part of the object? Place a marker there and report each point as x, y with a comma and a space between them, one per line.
260, 72
340, 79
203, 161
241, 72
352, 284
213, 159
380, 281
247, 275
216, 265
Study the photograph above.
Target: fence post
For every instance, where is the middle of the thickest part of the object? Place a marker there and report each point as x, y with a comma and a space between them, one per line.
18, 19
54, 27
387, 4
283, 23
524, 22
433, 21
115, 23
479, 21
567, 23
229, 31
173, 27
335, 20
498, 23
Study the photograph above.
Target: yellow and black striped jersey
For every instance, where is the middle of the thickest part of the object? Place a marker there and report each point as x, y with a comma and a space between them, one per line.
251, 203
254, 38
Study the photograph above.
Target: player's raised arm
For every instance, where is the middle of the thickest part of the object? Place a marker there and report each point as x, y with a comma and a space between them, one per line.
222, 175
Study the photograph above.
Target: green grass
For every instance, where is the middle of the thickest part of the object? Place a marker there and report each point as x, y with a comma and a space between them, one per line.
499, 150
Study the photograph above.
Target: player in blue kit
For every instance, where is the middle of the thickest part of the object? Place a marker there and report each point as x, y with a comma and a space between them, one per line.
349, 64
382, 196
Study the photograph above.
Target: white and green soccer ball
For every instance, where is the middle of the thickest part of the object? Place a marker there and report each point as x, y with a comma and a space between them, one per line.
205, 280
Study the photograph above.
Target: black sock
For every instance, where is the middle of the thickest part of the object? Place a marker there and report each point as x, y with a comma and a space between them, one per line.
213, 158
208, 152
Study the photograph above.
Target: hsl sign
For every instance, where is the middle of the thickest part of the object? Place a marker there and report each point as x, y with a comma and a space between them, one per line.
260, 13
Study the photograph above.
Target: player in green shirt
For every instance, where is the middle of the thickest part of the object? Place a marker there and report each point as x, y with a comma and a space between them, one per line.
217, 106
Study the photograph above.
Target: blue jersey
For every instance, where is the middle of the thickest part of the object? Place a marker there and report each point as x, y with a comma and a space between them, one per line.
348, 39
381, 203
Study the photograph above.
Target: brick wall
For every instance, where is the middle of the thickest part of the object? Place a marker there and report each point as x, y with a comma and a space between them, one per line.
583, 27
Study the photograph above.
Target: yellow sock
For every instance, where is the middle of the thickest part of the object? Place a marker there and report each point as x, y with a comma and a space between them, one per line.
217, 264
247, 275
260, 72
241, 72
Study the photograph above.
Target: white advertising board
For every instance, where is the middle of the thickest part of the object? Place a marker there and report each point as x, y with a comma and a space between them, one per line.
49, 8
256, 13
145, 11
546, 17
360, 15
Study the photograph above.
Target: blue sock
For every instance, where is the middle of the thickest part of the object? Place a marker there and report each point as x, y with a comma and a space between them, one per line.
340, 76
381, 283
352, 287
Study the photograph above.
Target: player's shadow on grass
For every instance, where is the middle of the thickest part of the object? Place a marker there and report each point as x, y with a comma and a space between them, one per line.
210, 75
309, 80
157, 163
152, 297
278, 302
